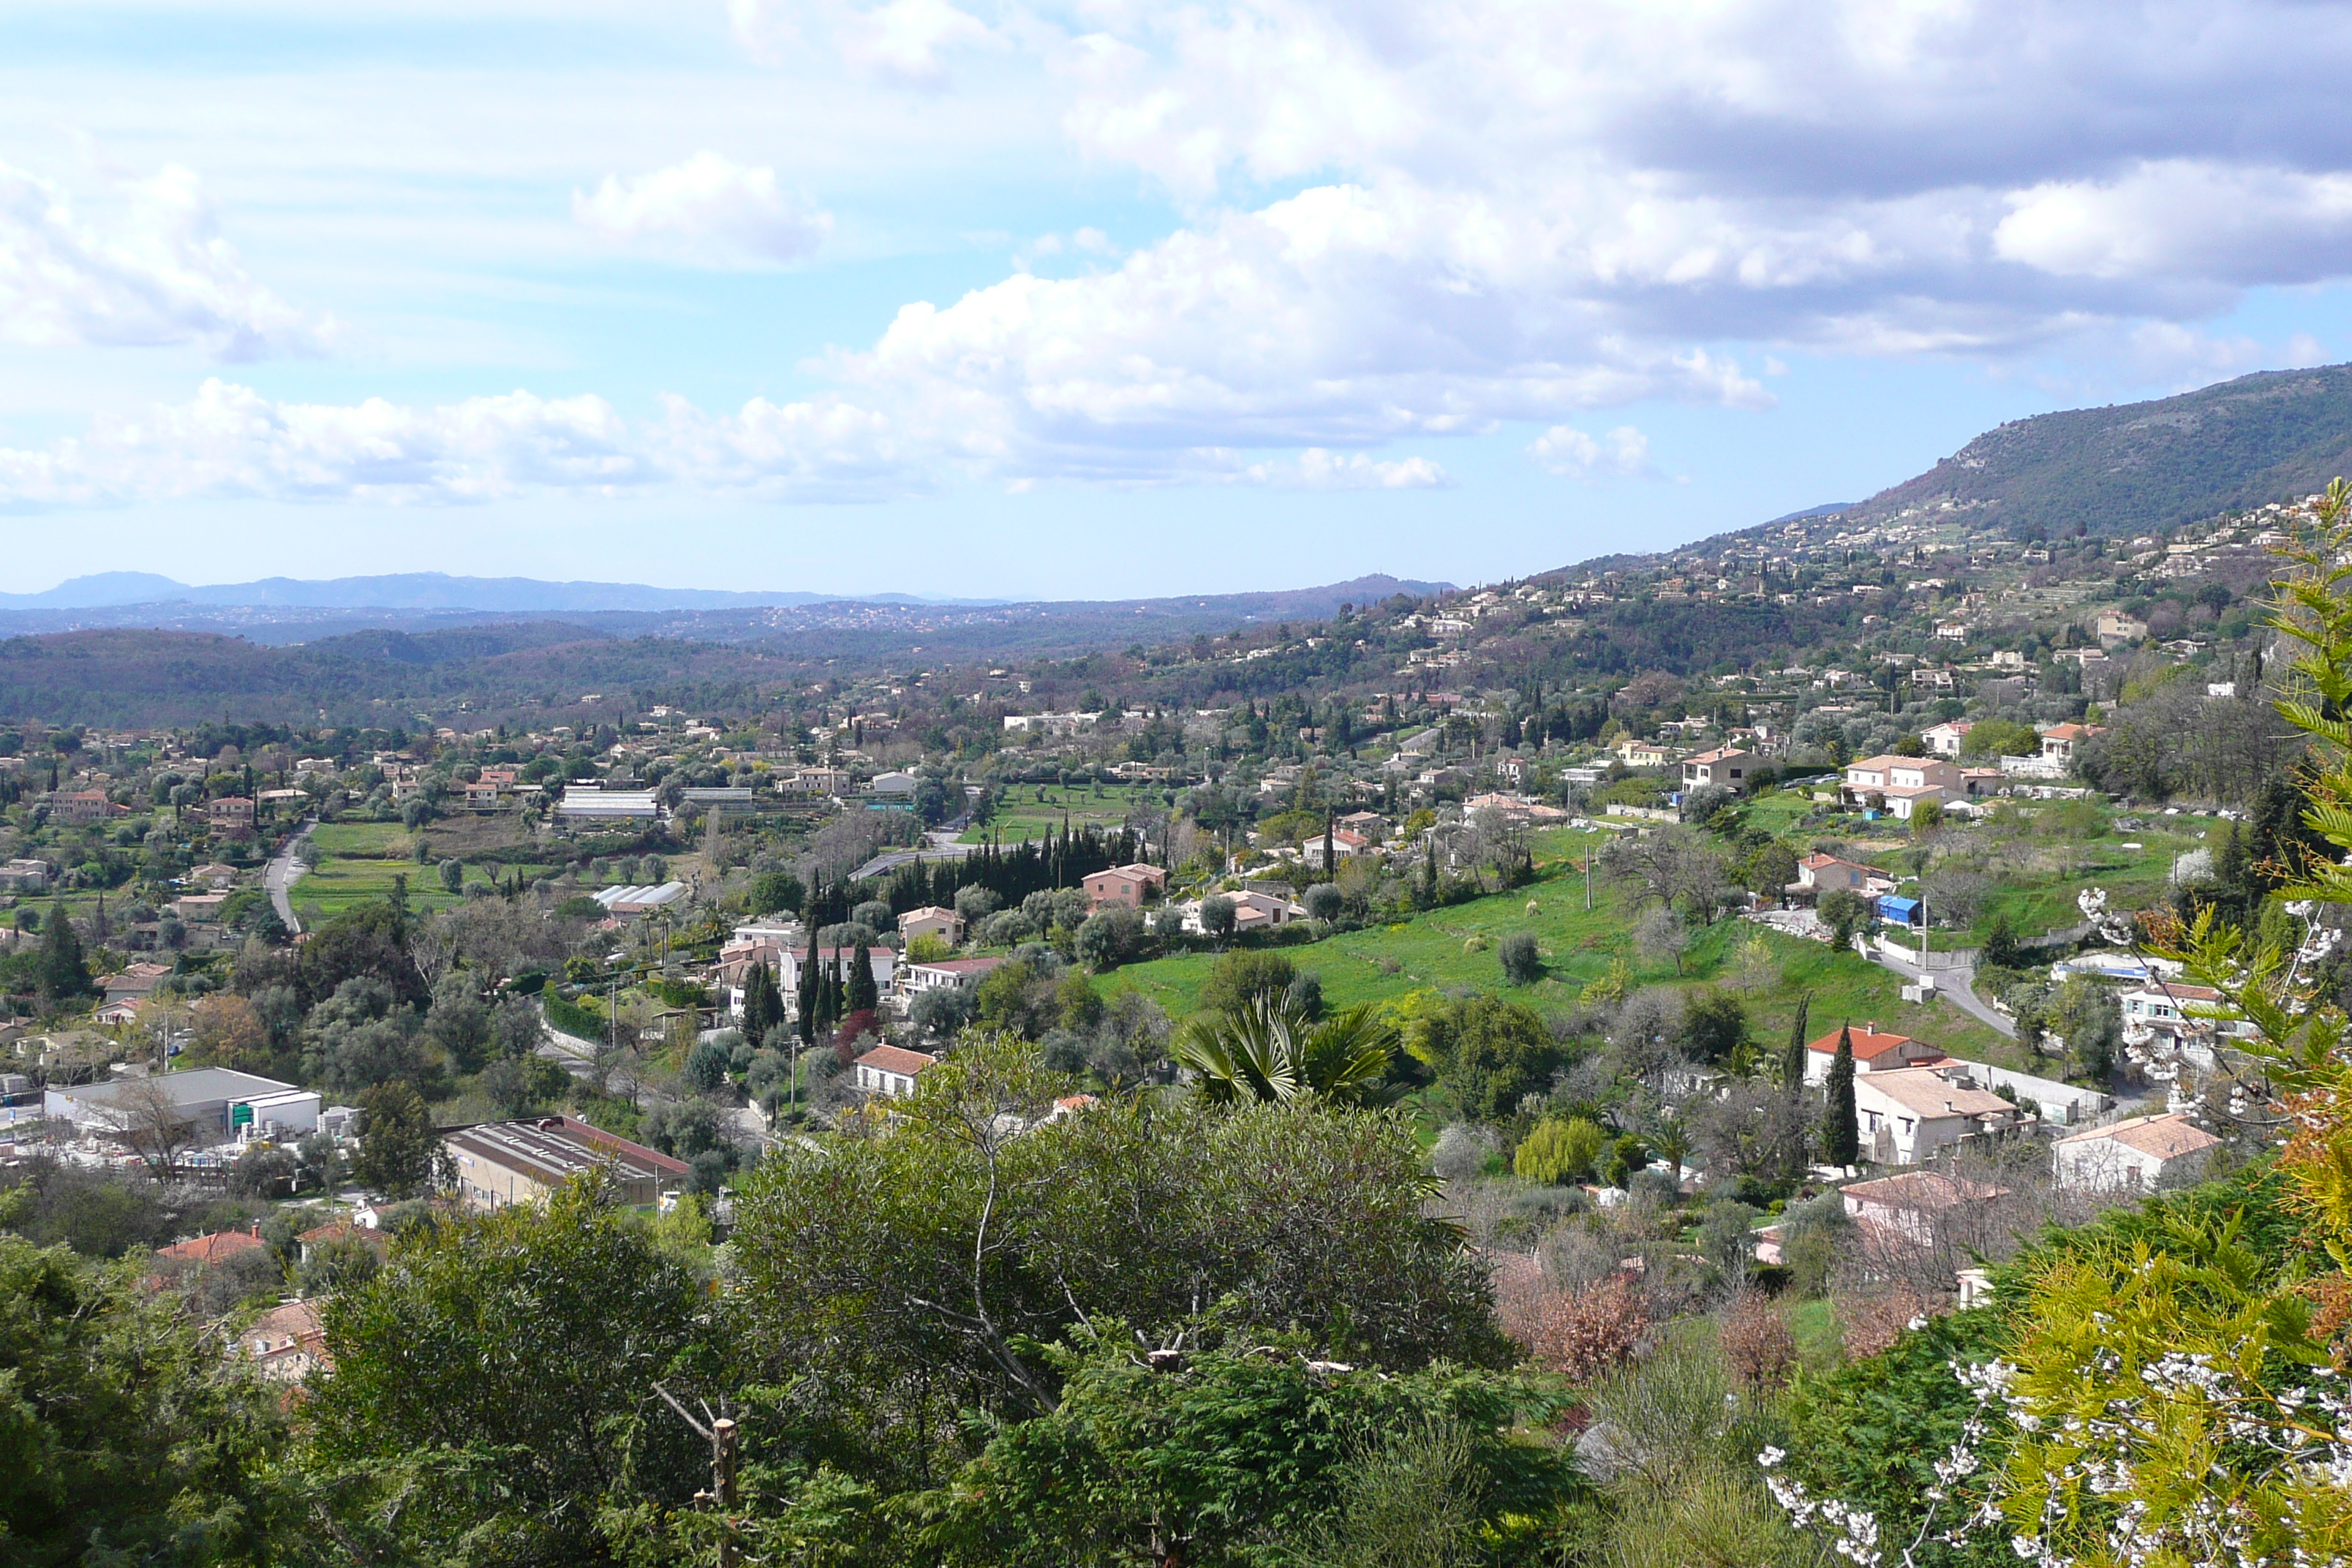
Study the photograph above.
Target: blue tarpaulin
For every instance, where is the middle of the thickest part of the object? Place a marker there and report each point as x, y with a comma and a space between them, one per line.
1900, 912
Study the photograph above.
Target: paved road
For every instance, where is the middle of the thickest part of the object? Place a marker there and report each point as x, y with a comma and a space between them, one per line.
1954, 985
282, 874
897, 857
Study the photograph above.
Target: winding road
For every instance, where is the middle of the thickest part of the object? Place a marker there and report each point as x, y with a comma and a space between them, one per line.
281, 876
1953, 983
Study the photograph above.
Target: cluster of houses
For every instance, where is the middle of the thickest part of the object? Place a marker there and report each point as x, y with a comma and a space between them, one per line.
1895, 785
1915, 1106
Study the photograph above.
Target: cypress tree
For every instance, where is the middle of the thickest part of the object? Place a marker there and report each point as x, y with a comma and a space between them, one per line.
1792, 1060
763, 1005
1840, 1128
829, 989
808, 988
864, 995
1330, 867
64, 974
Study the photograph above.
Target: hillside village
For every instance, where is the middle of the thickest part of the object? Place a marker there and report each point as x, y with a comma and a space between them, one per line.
1814, 978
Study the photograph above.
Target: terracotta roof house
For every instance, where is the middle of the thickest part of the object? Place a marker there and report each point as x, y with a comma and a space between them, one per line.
2132, 1155
217, 1248
1905, 1205
340, 1230
1819, 873
285, 1342
1910, 1114
1945, 740
932, 920
891, 1070
2059, 741
1125, 887
1727, 766
1872, 1052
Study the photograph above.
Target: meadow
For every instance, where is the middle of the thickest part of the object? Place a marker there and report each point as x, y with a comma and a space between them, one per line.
1025, 811
1455, 948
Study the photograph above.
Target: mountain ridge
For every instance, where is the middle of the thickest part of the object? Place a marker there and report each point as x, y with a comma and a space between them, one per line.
421, 591
2148, 465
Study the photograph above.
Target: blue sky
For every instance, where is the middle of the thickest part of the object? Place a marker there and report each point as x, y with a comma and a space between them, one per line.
1101, 299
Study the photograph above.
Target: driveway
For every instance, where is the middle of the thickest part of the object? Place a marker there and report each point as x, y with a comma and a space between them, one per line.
1954, 983
281, 876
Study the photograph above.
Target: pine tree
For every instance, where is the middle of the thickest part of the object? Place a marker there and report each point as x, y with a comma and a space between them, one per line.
1792, 1060
1840, 1128
864, 996
64, 974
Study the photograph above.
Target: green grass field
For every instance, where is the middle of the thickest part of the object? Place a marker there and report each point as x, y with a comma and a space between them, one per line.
362, 860
1437, 950
1021, 816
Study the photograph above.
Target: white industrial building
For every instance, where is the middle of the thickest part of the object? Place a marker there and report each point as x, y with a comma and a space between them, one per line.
219, 1102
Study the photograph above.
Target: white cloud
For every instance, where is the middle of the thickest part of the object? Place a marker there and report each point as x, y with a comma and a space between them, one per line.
153, 271
706, 209
1622, 454
1341, 317
905, 43
1318, 470
230, 442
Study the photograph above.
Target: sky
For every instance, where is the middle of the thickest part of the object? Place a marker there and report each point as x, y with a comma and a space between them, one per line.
1099, 298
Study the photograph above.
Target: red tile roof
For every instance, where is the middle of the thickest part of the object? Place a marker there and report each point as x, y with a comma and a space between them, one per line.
213, 1249
1867, 1047
898, 1059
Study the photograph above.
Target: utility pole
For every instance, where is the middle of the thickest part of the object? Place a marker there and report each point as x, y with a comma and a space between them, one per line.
1588, 876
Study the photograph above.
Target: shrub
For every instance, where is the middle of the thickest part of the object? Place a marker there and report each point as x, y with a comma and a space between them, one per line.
1558, 1150
1757, 1343
707, 1066
1873, 1322
1657, 1186
1305, 994
1462, 1151
1522, 962
1581, 1333
1217, 915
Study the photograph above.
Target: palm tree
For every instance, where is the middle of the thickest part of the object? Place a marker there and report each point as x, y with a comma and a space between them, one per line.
1672, 1141
1269, 1050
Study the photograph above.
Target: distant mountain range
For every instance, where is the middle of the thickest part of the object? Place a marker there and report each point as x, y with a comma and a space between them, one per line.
2143, 466
420, 591
860, 626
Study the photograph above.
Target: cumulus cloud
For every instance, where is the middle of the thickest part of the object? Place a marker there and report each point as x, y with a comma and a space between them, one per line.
1341, 318
1622, 454
230, 442
706, 209
1402, 222
154, 270
1993, 177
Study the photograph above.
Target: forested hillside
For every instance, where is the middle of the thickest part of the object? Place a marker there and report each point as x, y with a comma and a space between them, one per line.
2146, 467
